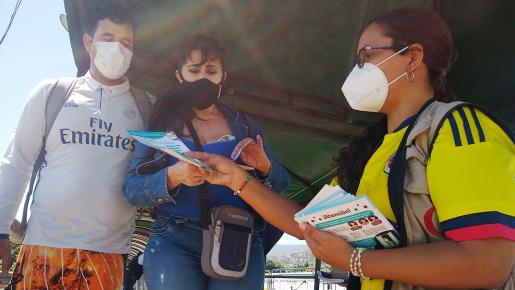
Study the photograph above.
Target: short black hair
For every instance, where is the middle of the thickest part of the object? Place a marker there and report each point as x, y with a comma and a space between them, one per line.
106, 9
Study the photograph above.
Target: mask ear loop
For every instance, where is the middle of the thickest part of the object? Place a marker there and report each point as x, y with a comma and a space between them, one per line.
219, 91
388, 58
220, 85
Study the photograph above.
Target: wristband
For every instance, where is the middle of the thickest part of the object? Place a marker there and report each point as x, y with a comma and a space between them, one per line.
242, 187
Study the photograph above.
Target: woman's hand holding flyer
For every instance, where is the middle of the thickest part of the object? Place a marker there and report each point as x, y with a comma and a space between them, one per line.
356, 219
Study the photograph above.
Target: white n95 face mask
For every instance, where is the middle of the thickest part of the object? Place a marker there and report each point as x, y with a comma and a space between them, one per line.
366, 88
112, 59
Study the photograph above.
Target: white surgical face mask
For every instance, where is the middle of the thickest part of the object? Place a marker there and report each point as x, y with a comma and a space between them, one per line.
366, 88
112, 59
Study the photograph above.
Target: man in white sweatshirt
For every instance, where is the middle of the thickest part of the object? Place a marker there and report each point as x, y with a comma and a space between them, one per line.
80, 222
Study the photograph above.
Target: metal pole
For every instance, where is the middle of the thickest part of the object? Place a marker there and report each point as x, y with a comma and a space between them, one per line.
318, 265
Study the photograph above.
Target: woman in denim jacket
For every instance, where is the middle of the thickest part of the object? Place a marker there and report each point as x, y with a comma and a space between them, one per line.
155, 180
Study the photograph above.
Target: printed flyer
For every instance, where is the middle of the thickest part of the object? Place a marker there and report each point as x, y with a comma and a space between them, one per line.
356, 219
169, 143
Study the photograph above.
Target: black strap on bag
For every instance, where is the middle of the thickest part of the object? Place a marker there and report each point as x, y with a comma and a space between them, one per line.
202, 194
396, 186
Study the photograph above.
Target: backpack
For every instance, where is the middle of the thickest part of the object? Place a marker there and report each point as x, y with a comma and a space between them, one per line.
407, 182
57, 96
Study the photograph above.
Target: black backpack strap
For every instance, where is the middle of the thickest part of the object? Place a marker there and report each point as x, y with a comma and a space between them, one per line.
396, 180
396, 185
202, 194
57, 96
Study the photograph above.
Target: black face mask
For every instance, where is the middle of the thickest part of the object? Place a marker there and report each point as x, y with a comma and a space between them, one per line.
199, 94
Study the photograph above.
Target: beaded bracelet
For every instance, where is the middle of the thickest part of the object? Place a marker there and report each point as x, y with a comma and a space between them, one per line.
242, 187
353, 269
358, 262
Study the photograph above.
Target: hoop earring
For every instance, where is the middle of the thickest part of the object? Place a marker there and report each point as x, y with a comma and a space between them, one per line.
412, 79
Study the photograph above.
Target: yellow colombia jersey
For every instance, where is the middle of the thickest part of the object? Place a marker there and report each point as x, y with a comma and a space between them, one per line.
471, 178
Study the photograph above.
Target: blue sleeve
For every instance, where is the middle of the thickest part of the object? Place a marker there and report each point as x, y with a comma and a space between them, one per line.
278, 179
147, 188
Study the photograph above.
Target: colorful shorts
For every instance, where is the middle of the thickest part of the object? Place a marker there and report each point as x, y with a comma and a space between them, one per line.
40, 267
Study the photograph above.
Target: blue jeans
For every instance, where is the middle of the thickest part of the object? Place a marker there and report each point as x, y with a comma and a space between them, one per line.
172, 259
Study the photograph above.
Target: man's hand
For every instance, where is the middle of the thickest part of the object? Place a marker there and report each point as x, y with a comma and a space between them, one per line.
5, 256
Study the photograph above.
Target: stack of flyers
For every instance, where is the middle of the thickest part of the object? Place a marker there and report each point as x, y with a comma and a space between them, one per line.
356, 219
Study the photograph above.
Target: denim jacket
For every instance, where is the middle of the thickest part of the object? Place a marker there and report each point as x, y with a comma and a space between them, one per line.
146, 182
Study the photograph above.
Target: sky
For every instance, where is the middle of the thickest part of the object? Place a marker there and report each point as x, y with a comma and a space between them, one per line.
37, 47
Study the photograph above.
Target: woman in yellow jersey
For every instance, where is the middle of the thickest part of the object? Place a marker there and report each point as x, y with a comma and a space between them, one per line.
468, 232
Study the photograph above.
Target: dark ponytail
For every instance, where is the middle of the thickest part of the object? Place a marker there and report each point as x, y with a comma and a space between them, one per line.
404, 26
443, 92
351, 160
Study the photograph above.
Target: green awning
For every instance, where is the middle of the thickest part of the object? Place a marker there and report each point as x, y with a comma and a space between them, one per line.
287, 60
